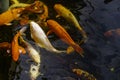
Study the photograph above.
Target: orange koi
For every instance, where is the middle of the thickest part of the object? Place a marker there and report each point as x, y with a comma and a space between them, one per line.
62, 33
10, 15
15, 45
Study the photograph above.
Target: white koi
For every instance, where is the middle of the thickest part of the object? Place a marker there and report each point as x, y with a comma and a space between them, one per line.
40, 38
34, 71
33, 53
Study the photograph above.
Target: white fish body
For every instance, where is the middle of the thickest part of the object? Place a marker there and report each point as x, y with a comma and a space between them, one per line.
33, 53
40, 38
34, 71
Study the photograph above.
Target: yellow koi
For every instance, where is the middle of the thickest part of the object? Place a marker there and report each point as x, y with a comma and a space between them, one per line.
68, 15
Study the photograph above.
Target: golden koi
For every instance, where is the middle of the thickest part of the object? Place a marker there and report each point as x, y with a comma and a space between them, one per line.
68, 15
15, 45
62, 33
10, 15
34, 54
40, 38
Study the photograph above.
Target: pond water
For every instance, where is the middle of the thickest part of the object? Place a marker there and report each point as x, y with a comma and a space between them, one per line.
102, 52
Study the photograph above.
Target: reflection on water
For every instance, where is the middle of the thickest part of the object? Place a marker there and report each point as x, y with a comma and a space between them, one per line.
102, 56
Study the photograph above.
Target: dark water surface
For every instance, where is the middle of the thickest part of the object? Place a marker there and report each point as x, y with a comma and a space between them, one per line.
102, 53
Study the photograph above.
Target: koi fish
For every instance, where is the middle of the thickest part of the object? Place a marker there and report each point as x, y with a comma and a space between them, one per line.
39, 36
10, 15
68, 15
34, 71
84, 74
15, 45
62, 33
112, 32
34, 54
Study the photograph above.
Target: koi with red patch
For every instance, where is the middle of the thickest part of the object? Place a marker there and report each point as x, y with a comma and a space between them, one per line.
62, 33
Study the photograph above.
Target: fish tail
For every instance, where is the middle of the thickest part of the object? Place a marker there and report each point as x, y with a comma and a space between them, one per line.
23, 30
78, 49
83, 33
58, 51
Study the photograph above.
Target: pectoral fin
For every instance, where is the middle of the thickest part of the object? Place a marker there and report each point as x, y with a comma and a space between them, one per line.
22, 50
8, 24
70, 49
49, 32
57, 16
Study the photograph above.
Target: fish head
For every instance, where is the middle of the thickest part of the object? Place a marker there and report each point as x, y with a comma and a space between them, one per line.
50, 24
33, 26
17, 11
58, 8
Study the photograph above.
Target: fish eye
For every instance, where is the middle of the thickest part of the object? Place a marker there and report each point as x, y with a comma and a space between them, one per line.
33, 69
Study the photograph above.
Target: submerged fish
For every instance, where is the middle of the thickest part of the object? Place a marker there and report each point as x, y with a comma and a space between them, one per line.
68, 15
40, 38
62, 33
15, 45
84, 74
10, 15
33, 53
34, 71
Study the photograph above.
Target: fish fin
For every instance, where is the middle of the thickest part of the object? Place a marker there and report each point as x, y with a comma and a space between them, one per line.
78, 49
22, 30
70, 49
59, 51
31, 36
22, 50
40, 45
57, 16
49, 32
8, 24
